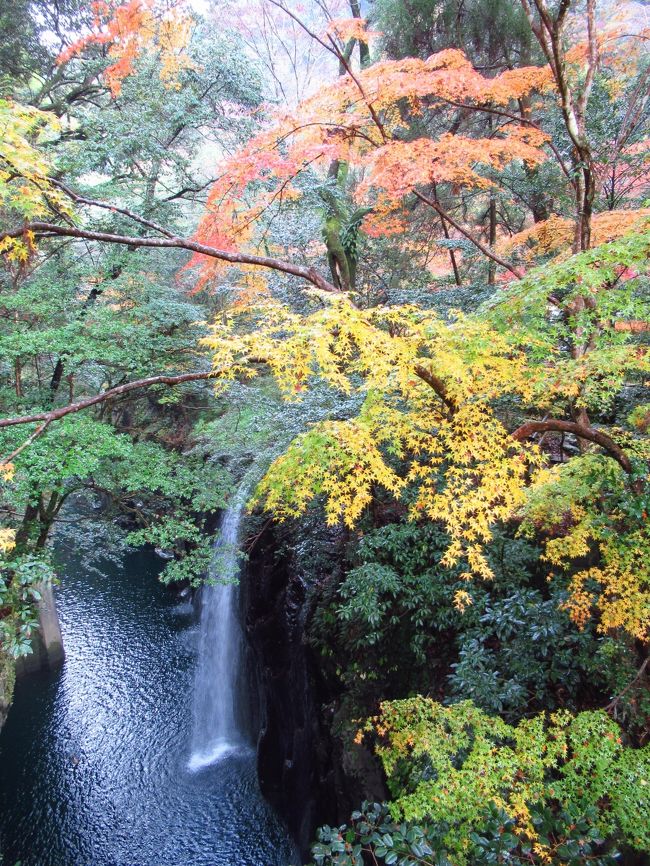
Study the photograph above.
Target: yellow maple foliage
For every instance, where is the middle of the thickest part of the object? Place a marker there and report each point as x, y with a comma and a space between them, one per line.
430, 391
402, 416
26, 187
7, 539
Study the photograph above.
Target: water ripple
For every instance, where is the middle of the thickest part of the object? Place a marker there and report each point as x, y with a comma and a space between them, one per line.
95, 758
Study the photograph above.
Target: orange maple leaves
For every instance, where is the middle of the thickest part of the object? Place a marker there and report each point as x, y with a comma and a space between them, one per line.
351, 28
360, 120
131, 28
555, 233
399, 166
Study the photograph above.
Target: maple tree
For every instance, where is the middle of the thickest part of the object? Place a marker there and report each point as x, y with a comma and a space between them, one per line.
465, 386
429, 388
487, 477
131, 28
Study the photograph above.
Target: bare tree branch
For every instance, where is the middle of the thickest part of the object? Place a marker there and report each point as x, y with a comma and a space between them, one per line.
62, 411
79, 199
615, 701
470, 237
42, 229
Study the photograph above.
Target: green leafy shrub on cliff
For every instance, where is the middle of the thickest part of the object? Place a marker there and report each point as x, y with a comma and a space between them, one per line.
512, 651
20, 576
455, 771
572, 840
7, 681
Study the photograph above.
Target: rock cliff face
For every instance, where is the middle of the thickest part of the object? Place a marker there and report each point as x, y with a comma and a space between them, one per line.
7, 678
296, 761
47, 643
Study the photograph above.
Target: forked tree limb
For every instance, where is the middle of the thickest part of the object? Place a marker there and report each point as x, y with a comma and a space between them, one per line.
523, 432
582, 431
433, 203
615, 701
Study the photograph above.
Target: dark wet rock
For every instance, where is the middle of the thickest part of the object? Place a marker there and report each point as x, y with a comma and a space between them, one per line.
7, 679
301, 765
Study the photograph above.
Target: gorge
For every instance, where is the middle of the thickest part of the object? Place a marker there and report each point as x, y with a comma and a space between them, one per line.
99, 759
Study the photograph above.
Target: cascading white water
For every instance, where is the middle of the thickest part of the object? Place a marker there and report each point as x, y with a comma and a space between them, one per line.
219, 688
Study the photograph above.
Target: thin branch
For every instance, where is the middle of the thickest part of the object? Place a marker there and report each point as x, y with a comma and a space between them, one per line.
592, 64
38, 432
346, 65
353, 131
50, 230
79, 199
186, 189
334, 49
61, 412
279, 193
470, 237
614, 702
309, 32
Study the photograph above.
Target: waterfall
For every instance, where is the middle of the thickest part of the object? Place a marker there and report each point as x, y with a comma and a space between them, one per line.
219, 688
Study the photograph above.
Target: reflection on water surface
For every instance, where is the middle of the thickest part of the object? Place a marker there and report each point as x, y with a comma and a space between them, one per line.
94, 758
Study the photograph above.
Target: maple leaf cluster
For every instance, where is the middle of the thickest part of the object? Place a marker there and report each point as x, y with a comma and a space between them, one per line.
357, 121
129, 29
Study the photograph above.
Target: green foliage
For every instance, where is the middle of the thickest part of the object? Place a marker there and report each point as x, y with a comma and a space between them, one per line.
190, 545
392, 611
523, 652
573, 839
445, 766
394, 624
20, 577
81, 319
98, 324
422, 27
170, 497
148, 139
75, 449
597, 376
32, 34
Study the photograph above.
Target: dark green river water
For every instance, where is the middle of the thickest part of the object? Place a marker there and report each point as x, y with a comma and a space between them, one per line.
93, 758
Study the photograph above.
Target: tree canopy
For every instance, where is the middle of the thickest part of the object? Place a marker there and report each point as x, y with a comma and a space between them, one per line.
422, 284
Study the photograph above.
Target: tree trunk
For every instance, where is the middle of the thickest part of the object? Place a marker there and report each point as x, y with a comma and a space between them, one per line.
492, 211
